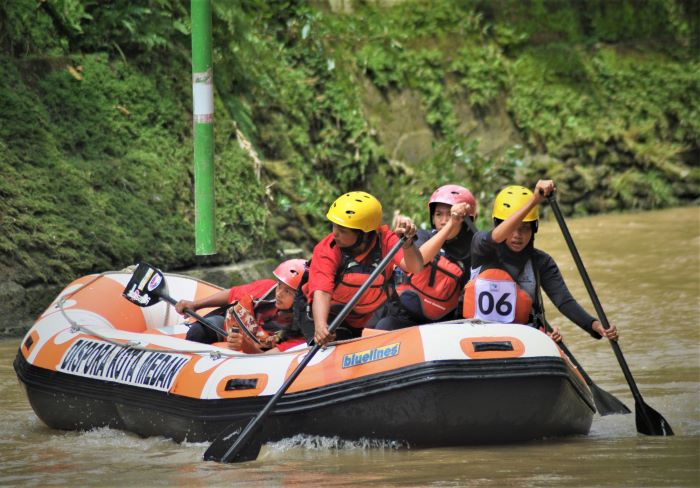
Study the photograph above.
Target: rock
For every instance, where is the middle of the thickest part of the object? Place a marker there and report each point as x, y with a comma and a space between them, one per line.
400, 121
491, 126
14, 309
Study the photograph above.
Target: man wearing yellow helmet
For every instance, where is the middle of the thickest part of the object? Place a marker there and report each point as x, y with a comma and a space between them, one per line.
343, 261
507, 270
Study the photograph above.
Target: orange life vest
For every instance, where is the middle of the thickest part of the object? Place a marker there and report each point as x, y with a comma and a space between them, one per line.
494, 295
351, 275
436, 286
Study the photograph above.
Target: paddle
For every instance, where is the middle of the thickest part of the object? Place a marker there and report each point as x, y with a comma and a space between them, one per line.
147, 287
246, 446
648, 421
470, 224
606, 403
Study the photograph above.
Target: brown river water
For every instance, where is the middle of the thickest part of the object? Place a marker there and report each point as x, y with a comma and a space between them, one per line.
646, 270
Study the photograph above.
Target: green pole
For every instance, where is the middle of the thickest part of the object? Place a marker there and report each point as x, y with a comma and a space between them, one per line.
203, 116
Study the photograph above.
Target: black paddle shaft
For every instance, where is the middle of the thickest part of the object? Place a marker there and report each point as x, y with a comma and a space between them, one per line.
246, 435
470, 224
193, 314
606, 403
646, 411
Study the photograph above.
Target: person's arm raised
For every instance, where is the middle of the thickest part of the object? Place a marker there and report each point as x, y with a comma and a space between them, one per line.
542, 190
432, 246
412, 261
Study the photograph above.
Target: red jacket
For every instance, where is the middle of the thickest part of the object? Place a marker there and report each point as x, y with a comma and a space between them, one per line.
256, 289
325, 264
290, 343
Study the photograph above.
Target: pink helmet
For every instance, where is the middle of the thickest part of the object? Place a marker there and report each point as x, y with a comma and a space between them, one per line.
450, 195
290, 272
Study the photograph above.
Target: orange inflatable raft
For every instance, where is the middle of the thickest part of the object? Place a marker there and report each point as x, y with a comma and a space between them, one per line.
94, 359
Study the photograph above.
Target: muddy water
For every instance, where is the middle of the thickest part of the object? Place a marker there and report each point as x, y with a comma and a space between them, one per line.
646, 270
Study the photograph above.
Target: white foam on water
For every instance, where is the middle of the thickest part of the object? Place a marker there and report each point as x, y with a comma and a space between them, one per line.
314, 442
105, 438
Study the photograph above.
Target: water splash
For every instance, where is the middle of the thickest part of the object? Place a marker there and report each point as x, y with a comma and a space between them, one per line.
314, 442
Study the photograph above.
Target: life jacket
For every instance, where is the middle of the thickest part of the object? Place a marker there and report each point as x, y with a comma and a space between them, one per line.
437, 288
351, 275
261, 317
495, 296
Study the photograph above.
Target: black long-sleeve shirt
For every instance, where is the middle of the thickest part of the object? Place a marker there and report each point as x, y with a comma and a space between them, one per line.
485, 252
456, 249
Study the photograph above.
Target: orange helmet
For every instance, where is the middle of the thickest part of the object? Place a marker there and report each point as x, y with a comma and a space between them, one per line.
290, 272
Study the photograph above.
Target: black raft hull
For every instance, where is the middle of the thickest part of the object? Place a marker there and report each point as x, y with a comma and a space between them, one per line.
439, 403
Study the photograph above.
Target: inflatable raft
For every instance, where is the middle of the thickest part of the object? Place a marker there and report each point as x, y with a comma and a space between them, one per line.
94, 359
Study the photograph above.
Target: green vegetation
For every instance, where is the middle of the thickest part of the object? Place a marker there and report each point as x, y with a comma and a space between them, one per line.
95, 124
601, 94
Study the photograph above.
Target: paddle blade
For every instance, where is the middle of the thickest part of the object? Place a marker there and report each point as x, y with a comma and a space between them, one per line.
651, 422
228, 448
145, 287
606, 403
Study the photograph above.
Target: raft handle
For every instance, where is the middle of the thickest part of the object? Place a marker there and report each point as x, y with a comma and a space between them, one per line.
493, 346
241, 384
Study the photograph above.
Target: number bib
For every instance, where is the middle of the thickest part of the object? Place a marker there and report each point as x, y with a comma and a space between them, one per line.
495, 300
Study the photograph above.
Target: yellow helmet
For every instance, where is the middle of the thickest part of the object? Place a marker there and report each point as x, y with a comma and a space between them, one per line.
356, 210
511, 199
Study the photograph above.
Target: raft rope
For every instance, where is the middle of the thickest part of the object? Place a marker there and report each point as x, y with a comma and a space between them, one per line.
136, 345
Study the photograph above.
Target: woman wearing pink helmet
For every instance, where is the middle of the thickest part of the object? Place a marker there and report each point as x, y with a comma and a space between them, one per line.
433, 294
268, 302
